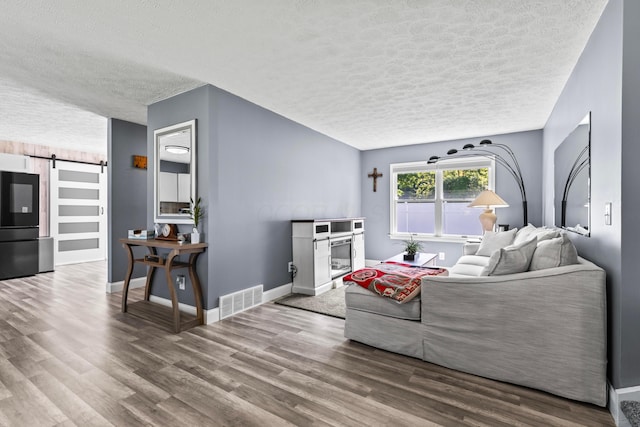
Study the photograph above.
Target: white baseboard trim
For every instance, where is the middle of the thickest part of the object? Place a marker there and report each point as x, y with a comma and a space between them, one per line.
275, 293
213, 315
371, 262
618, 395
138, 282
210, 316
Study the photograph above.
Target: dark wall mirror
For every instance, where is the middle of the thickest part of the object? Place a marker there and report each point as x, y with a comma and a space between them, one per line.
174, 172
572, 180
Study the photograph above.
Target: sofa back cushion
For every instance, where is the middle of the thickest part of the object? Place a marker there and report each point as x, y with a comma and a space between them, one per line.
491, 241
511, 259
554, 252
530, 231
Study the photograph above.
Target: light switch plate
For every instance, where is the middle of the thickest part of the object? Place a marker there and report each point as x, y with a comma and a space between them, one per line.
607, 213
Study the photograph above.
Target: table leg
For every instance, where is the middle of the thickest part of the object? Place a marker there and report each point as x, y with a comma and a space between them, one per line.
172, 292
125, 288
150, 272
195, 283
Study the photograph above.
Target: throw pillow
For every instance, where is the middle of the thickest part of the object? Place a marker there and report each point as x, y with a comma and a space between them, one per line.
542, 233
491, 241
554, 253
510, 260
524, 233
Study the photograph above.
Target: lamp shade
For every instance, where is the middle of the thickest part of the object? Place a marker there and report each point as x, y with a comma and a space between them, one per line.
488, 199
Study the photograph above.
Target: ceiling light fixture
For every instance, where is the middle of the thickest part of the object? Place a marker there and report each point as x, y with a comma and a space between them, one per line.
176, 149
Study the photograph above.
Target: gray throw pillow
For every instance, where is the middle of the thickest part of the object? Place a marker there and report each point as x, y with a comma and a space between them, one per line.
491, 241
554, 252
510, 260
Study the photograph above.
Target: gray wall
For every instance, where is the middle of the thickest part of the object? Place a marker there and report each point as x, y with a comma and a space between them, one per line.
629, 303
256, 172
376, 206
181, 108
597, 84
127, 192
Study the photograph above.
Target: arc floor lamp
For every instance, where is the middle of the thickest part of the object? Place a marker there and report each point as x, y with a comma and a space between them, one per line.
486, 149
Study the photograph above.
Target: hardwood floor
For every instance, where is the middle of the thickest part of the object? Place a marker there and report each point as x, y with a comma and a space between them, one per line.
69, 357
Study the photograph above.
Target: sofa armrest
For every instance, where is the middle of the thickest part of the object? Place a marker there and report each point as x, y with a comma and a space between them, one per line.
470, 248
543, 329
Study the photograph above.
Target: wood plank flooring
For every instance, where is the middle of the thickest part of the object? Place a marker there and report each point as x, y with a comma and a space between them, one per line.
69, 357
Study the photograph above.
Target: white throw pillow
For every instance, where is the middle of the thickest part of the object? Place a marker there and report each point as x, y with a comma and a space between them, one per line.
554, 253
542, 233
510, 260
524, 233
491, 241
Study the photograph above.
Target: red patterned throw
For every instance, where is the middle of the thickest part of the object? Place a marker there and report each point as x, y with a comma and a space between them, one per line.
399, 282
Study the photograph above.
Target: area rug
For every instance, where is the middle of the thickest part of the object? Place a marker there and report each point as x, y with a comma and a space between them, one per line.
330, 303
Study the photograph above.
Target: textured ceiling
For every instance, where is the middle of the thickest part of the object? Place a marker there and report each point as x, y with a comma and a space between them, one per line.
371, 73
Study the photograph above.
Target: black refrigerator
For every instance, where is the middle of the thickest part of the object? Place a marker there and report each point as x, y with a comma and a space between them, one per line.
19, 224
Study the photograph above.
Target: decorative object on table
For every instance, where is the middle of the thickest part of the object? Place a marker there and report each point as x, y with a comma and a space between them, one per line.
140, 162
196, 213
169, 232
510, 163
141, 234
411, 247
488, 200
375, 175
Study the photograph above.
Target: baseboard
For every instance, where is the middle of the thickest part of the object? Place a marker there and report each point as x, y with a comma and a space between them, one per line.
618, 395
138, 282
371, 262
275, 293
213, 315
210, 316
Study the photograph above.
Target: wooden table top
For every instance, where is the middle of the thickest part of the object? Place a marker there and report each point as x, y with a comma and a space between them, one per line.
167, 244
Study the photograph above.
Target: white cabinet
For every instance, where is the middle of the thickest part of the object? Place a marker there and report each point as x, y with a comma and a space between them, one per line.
325, 250
174, 187
167, 187
358, 251
321, 263
184, 187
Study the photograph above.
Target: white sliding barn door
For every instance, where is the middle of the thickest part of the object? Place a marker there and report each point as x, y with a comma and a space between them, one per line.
78, 212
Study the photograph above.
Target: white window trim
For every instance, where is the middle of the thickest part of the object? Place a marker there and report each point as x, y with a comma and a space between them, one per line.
465, 163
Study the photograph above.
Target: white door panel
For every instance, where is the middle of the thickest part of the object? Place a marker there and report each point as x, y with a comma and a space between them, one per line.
78, 212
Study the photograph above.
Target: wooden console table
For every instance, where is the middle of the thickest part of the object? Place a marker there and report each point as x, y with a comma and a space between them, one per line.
168, 317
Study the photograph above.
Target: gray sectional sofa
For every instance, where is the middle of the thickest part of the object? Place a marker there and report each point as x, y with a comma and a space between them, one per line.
543, 328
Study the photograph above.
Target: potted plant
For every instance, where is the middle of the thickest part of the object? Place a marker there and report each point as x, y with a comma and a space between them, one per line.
196, 213
411, 247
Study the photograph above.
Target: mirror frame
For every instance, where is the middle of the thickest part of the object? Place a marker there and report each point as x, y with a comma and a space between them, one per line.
158, 133
582, 161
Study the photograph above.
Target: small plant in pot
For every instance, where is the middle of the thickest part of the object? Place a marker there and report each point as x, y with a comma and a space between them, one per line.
196, 213
411, 247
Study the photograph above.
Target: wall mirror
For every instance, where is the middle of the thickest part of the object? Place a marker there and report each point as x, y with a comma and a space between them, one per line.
572, 180
174, 172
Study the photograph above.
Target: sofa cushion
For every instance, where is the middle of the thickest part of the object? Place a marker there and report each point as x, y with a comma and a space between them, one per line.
493, 241
469, 265
512, 259
359, 298
554, 253
528, 232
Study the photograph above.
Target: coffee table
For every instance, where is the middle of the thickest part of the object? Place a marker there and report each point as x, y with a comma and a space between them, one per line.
422, 259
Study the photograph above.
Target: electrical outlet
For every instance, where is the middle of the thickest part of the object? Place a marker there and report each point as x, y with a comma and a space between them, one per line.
290, 266
180, 281
441, 256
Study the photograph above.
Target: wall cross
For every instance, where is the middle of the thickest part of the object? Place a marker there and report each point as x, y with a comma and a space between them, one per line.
375, 175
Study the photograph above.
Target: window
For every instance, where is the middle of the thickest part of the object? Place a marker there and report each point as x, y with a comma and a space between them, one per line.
431, 200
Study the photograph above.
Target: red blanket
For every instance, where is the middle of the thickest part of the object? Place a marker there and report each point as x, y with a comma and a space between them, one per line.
400, 282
